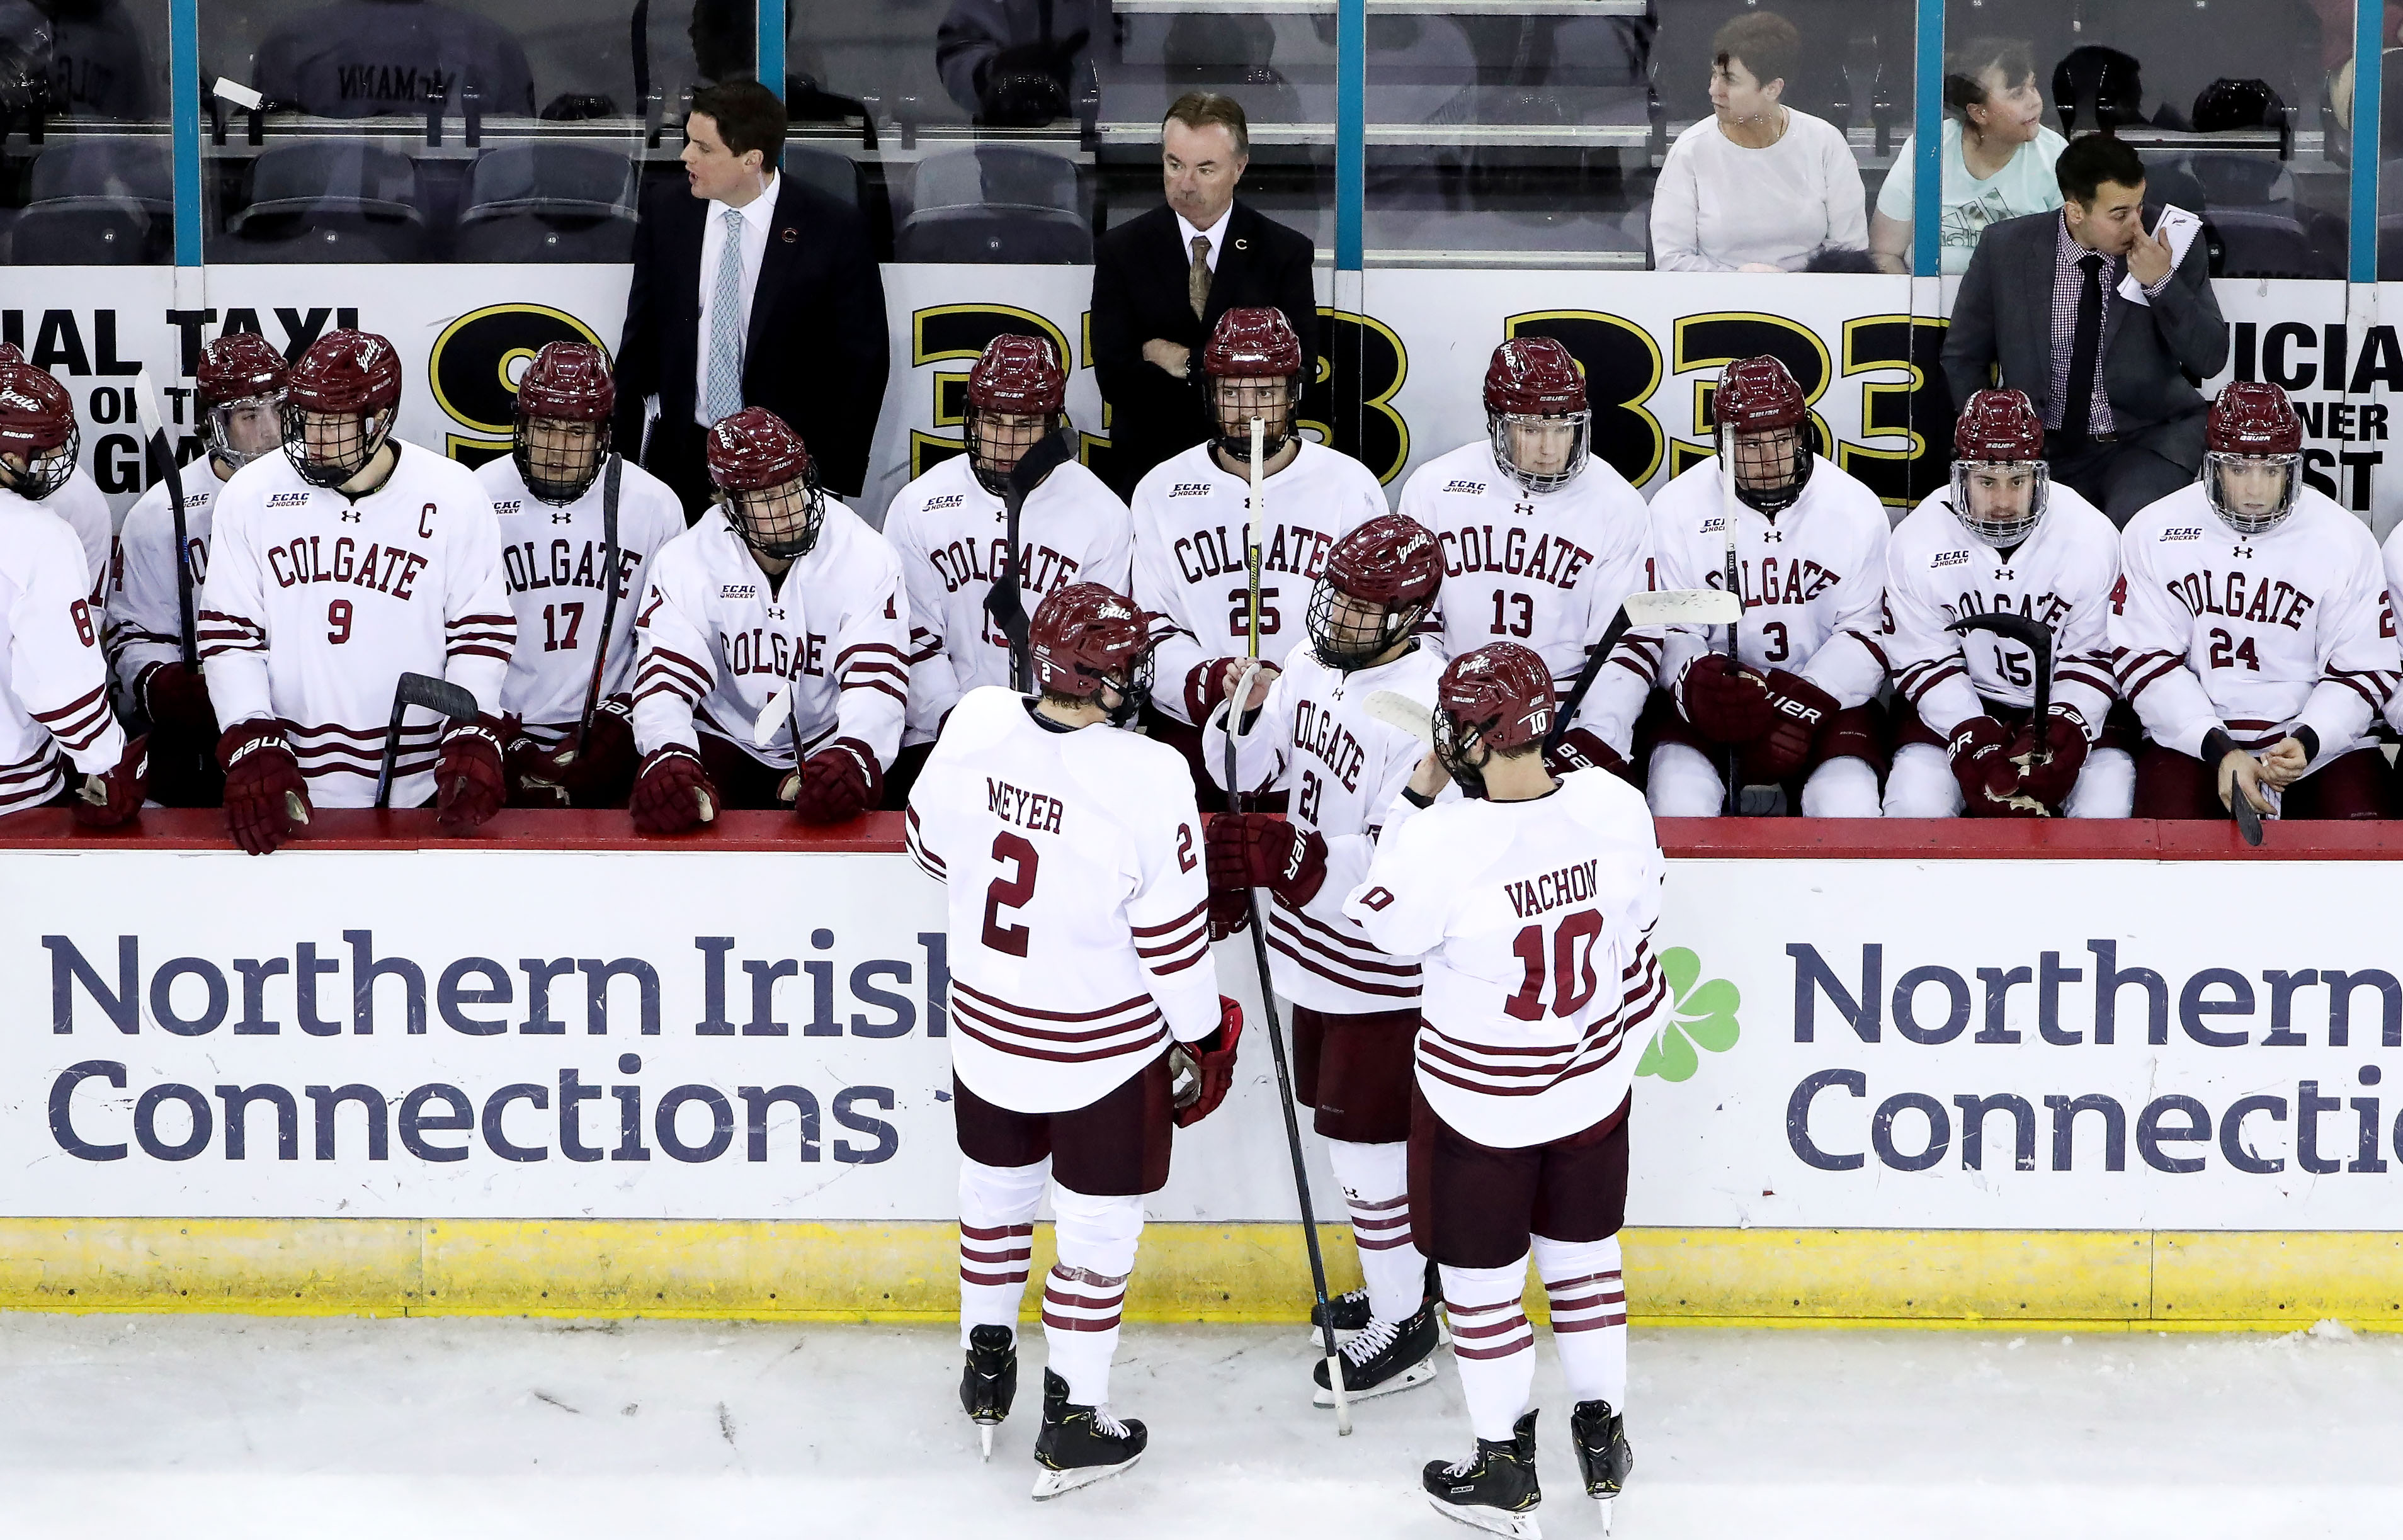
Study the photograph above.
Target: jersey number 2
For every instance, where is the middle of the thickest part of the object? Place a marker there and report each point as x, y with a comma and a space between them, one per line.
1572, 971
1009, 893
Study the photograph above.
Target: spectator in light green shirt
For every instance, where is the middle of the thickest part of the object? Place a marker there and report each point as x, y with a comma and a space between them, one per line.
1998, 157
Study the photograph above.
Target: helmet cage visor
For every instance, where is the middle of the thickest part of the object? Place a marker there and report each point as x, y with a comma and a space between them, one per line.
2001, 501
1348, 633
37, 475
2250, 507
329, 448
1276, 399
998, 440
1453, 740
558, 457
1508, 430
1771, 464
780, 522
239, 431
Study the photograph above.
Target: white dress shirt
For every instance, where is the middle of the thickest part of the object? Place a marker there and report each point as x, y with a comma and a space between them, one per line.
758, 215
1187, 230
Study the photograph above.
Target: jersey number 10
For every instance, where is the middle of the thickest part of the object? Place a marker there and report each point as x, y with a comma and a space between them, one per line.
1572, 970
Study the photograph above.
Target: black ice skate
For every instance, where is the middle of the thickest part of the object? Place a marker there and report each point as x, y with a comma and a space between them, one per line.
1079, 1445
1603, 1456
1494, 1489
988, 1383
1383, 1357
1351, 1313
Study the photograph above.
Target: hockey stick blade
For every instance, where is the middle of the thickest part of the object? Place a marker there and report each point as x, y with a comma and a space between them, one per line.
1397, 710
1684, 608
424, 691
771, 718
2248, 817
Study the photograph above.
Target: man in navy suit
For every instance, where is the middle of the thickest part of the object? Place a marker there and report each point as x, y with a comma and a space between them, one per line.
1160, 282
750, 290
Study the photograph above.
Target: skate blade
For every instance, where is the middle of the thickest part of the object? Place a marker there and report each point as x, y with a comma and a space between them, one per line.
1050, 1483
1519, 1526
1606, 1507
984, 1432
1417, 1374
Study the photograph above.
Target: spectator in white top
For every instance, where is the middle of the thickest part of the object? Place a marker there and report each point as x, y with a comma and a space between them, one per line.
1996, 153
1756, 186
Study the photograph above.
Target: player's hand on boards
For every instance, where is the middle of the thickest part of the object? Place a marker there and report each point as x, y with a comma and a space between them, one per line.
265, 795
1726, 702
2240, 773
1988, 778
673, 792
2050, 781
175, 696
1204, 1071
469, 783
841, 781
115, 794
2284, 763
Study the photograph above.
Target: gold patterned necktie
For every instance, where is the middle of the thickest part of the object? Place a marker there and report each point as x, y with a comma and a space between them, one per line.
1197, 279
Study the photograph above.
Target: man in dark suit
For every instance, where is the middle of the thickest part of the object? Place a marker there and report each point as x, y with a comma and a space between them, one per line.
2113, 377
1160, 282
749, 291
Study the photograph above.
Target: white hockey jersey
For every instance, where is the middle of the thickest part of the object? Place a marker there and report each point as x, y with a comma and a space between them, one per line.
2258, 633
53, 679
80, 505
315, 606
953, 537
719, 640
1813, 578
1189, 522
1547, 570
2063, 573
1078, 912
1535, 920
145, 620
552, 560
2394, 555
1314, 738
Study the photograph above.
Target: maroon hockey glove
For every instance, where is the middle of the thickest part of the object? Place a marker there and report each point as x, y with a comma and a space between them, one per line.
1581, 750
115, 794
1988, 778
1802, 709
265, 795
841, 781
1206, 686
1204, 1071
1260, 849
1724, 701
521, 765
596, 775
173, 696
1230, 912
469, 783
2050, 784
673, 792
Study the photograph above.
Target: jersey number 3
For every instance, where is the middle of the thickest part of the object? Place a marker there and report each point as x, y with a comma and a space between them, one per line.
1572, 969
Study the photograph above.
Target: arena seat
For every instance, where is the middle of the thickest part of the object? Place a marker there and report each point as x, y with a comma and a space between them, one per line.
833, 173
97, 203
995, 204
328, 201
549, 202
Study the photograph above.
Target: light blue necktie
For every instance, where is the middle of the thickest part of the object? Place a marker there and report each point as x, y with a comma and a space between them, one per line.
725, 325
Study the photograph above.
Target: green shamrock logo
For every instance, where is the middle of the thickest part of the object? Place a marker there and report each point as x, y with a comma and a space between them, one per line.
1705, 1017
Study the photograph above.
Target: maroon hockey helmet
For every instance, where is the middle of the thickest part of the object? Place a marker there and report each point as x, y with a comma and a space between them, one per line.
1500, 694
1533, 387
561, 439
1252, 367
39, 440
2252, 464
1760, 411
339, 406
767, 483
1085, 638
1389, 570
2000, 481
11, 355
240, 396
1015, 377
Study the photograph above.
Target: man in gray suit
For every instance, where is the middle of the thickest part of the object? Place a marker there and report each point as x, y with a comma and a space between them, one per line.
2113, 377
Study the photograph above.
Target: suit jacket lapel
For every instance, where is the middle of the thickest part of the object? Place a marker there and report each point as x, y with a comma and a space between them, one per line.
2035, 306
1233, 259
784, 250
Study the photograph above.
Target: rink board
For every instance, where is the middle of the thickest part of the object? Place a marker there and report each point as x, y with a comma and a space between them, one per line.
581, 1079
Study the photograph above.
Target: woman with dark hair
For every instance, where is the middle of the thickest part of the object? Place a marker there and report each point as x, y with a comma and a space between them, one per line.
1998, 157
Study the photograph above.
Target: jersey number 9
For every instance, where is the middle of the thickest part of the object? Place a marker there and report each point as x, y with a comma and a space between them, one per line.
338, 616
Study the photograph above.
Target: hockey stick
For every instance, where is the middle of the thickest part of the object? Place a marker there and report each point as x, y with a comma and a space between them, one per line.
1733, 580
1005, 601
609, 606
2035, 635
439, 696
1665, 607
2248, 817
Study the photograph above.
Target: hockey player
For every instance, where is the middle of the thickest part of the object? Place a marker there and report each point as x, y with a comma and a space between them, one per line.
238, 403
1354, 1008
1810, 548
1541, 542
549, 494
2251, 629
951, 531
43, 466
1190, 517
1533, 904
58, 741
2003, 540
772, 669
335, 567
1085, 1014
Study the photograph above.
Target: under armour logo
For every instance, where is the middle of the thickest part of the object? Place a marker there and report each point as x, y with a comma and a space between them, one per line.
775, 612
2005, 575
349, 516
2243, 552
1522, 510
560, 516
1772, 536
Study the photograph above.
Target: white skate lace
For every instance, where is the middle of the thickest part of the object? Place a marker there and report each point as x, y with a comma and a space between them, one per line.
1371, 1339
1461, 1467
1106, 1425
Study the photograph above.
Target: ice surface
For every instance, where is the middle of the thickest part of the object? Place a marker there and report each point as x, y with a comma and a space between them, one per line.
203, 1426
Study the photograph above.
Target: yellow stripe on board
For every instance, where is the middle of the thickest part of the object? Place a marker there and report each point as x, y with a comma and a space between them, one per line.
2051, 1280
